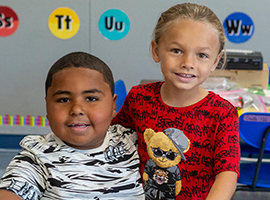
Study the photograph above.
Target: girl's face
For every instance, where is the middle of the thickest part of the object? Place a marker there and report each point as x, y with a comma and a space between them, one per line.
187, 52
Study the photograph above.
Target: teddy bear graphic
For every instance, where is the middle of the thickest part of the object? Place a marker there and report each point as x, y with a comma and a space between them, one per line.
162, 179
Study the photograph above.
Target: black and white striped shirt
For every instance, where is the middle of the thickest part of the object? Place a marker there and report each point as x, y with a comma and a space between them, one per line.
49, 169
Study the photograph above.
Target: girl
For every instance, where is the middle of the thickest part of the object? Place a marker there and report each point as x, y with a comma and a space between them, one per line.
187, 42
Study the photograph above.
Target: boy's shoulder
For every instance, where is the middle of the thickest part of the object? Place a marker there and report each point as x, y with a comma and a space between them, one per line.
119, 133
41, 143
118, 129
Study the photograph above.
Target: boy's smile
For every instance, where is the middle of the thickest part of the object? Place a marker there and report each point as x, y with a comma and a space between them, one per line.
80, 107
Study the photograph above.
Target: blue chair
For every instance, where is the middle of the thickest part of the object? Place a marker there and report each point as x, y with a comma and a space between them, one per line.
121, 92
9, 147
255, 173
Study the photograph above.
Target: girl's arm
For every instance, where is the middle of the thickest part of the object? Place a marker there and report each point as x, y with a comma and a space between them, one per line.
224, 186
7, 195
124, 117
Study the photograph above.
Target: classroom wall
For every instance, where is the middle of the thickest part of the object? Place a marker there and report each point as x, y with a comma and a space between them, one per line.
27, 54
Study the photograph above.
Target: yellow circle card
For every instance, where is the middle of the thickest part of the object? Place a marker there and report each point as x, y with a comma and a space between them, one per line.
64, 23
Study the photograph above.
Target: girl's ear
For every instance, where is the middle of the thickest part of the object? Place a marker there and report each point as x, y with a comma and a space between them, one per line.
155, 53
216, 61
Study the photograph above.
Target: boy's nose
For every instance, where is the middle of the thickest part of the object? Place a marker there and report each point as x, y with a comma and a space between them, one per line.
76, 109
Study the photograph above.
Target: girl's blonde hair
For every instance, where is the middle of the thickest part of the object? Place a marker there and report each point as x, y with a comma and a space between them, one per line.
193, 12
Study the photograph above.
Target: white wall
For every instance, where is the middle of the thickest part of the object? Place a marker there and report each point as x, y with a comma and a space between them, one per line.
27, 55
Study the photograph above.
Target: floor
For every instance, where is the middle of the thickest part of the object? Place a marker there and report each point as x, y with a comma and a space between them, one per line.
241, 195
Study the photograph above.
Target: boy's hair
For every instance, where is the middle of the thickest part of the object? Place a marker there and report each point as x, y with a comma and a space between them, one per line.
81, 59
193, 12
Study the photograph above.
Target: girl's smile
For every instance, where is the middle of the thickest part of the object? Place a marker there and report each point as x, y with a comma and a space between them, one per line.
185, 78
187, 52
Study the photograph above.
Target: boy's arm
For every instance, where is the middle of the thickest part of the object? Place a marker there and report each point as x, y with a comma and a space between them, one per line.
224, 186
25, 173
7, 195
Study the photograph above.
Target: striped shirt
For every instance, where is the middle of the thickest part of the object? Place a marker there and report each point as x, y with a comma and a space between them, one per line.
49, 169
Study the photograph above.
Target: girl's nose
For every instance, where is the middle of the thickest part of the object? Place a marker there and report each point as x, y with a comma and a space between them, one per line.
187, 61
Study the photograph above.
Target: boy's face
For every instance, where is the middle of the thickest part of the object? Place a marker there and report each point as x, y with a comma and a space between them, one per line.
80, 107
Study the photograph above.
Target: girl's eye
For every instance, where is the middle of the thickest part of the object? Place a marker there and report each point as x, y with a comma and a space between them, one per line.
176, 51
202, 55
91, 99
63, 100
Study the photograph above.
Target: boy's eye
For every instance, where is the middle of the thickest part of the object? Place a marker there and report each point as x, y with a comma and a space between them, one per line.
91, 99
63, 100
176, 51
202, 55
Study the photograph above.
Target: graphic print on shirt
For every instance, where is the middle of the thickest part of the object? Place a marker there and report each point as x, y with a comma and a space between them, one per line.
211, 125
161, 176
26, 191
112, 153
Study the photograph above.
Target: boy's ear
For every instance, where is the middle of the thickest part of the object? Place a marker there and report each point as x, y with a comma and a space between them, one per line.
155, 53
114, 105
46, 106
216, 61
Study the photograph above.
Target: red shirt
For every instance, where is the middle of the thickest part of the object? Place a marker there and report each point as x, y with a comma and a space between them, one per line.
211, 125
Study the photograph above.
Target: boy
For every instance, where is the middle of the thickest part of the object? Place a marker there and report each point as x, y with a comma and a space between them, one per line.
84, 157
